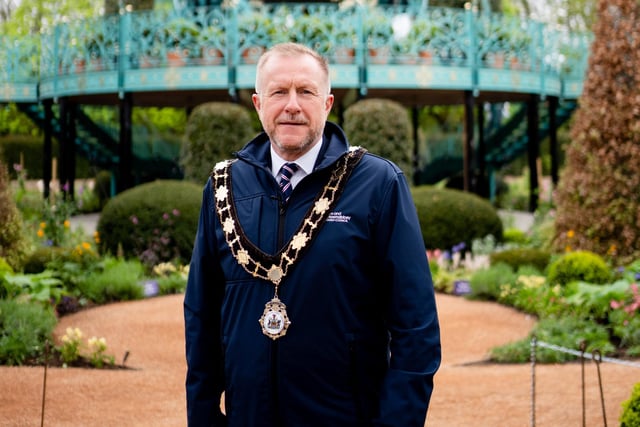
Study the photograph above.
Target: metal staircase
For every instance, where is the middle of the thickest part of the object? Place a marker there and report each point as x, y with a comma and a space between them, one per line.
503, 144
92, 142
100, 146
510, 140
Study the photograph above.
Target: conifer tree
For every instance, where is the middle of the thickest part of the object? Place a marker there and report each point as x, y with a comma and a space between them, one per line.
12, 241
598, 196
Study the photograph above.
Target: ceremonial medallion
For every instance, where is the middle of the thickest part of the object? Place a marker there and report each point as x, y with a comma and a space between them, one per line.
274, 320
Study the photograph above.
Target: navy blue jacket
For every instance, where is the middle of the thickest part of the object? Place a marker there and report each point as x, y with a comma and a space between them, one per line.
364, 342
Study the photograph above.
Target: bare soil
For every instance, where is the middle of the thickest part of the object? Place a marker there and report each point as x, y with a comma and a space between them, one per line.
469, 391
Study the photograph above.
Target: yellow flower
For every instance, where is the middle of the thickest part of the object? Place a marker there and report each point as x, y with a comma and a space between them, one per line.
43, 225
66, 223
570, 234
567, 248
86, 245
96, 237
41, 233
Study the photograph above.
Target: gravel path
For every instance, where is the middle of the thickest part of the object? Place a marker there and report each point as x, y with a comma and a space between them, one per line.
469, 391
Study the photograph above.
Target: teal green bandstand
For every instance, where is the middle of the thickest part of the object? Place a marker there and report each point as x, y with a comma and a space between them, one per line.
414, 54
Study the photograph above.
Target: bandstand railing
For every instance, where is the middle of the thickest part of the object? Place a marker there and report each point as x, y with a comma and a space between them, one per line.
396, 47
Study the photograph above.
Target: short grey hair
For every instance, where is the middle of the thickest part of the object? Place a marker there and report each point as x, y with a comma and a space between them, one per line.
293, 49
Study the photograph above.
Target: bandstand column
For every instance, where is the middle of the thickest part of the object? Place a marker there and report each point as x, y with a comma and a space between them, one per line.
481, 179
125, 145
47, 155
468, 139
533, 148
553, 139
67, 165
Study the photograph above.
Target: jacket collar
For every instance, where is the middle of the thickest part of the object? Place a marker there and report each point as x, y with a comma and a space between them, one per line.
334, 145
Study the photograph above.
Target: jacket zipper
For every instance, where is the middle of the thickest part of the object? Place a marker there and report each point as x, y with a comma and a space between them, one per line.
277, 419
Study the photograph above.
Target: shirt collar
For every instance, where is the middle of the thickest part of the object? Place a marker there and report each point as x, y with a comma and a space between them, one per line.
305, 162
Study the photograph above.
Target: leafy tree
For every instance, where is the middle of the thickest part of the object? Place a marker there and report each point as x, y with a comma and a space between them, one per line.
598, 197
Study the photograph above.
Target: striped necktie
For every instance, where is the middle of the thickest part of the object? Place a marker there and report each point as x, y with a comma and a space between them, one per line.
287, 170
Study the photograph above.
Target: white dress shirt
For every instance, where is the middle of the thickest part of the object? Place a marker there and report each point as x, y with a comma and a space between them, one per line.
305, 163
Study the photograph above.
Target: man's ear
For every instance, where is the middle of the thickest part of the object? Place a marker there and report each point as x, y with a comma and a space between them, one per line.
328, 103
255, 98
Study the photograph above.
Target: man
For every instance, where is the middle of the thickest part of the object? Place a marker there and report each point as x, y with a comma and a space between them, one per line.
313, 306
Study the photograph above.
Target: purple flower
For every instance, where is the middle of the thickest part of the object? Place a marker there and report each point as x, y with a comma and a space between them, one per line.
176, 212
17, 167
636, 276
65, 187
134, 219
151, 288
165, 216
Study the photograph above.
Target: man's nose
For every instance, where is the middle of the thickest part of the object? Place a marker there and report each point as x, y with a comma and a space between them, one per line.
292, 101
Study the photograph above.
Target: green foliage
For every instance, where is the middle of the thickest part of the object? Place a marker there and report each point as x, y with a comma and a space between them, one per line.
531, 293
43, 287
630, 416
624, 317
449, 217
566, 331
14, 122
37, 260
486, 284
593, 301
55, 226
119, 280
13, 244
214, 131
154, 222
384, 128
518, 257
444, 279
515, 236
4, 267
24, 329
579, 266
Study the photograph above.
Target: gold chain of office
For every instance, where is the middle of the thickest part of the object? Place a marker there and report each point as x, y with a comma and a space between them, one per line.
275, 267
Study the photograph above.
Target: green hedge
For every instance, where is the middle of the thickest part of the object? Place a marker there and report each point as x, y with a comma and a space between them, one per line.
384, 128
155, 222
30, 150
520, 257
450, 217
214, 131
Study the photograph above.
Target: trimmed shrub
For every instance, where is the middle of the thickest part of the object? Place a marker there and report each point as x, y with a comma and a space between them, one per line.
24, 329
519, 257
630, 416
214, 131
584, 266
13, 244
154, 222
384, 128
450, 217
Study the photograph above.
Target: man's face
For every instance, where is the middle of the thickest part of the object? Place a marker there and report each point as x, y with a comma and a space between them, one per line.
292, 103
